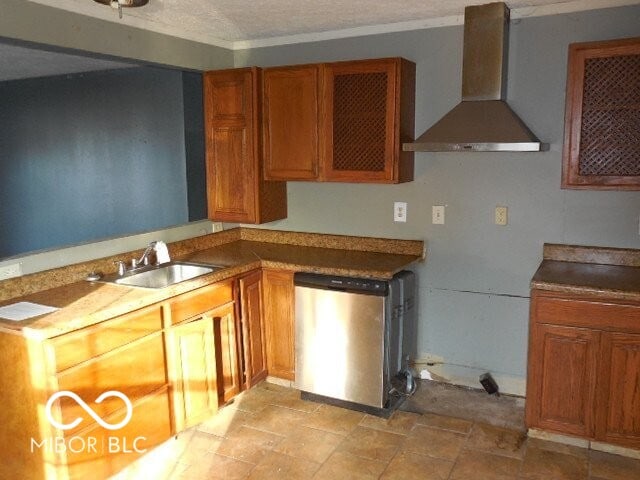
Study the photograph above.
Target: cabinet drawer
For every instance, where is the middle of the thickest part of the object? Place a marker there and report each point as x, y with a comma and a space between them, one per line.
582, 313
135, 370
199, 301
74, 348
115, 449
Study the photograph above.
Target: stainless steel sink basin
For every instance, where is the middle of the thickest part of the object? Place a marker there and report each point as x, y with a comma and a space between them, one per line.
160, 276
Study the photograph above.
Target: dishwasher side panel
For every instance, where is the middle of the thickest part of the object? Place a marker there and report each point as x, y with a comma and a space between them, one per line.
340, 345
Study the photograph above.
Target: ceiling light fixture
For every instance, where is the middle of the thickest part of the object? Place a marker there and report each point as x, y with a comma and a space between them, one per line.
122, 3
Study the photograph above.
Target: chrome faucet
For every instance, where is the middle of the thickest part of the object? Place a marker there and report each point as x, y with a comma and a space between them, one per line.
162, 254
144, 259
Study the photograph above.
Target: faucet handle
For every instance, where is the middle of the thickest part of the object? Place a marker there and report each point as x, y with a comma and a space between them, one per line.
122, 268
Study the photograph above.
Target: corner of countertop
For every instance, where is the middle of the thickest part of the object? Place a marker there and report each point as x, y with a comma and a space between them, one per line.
625, 257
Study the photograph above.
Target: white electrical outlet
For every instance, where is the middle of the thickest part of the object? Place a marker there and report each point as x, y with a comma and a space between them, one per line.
10, 271
502, 216
437, 214
217, 227
400, 212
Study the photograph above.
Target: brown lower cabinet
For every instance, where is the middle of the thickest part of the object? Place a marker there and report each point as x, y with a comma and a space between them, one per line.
279, 322
584, 367
252, 320
226, 332
191, 363
176, 361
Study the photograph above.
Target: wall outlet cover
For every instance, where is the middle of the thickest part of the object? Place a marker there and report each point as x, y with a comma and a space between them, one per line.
501, 216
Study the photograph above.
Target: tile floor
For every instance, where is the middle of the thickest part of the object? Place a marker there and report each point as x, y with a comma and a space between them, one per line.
270, 433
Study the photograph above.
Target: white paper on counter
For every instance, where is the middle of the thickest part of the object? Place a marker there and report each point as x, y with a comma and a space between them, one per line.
24, 310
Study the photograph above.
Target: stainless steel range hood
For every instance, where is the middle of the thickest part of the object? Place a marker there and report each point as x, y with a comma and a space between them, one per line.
483, 121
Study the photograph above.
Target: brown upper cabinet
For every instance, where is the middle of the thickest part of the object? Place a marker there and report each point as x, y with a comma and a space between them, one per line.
601, 141
291, 122
339, 122
236, 191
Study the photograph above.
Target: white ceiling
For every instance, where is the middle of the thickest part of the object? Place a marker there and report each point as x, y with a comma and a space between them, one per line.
240, 24
245, 24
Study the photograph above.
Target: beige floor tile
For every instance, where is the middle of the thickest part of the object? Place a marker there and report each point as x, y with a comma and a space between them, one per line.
294, 402
275, 388
496, 440
409, 466
277, 465
399, 422
342, 465
218, 467
225, 421
310, 443
614, 467
254, 400
434, 442
476, 465
545, 465
334, 419
242, 449
372, 444
278, 420
557, 447
445, 423
199, 446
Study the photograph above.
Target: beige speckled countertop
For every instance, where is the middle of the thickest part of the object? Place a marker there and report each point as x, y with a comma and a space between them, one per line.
85, 303
595, 271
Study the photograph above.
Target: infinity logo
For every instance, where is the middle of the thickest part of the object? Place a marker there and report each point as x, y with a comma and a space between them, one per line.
89, 410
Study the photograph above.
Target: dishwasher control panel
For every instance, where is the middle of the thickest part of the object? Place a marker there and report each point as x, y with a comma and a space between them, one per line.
350, 284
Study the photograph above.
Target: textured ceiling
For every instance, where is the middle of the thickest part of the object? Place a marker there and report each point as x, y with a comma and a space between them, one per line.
245, 24
223, 22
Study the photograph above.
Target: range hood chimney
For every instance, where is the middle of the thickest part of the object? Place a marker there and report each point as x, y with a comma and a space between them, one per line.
482, 121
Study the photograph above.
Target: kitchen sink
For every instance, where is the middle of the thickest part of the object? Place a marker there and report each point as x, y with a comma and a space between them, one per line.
160, 276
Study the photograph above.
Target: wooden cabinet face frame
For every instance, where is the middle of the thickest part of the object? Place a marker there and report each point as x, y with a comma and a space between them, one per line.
601, 145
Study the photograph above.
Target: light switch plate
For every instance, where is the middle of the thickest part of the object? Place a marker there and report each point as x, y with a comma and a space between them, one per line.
400, 212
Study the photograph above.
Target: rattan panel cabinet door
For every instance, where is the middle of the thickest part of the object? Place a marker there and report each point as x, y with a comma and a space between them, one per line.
236, 191
602, 119
369, 112
291, 122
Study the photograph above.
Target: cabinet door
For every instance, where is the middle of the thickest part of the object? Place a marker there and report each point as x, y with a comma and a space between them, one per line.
291, 120
618, 410
561, 379
227, 348
194, 365
601, 149
367, 109
253, 341
235, 190
279, 323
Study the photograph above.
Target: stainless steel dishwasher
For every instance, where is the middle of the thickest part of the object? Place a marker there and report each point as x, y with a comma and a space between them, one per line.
349, 338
